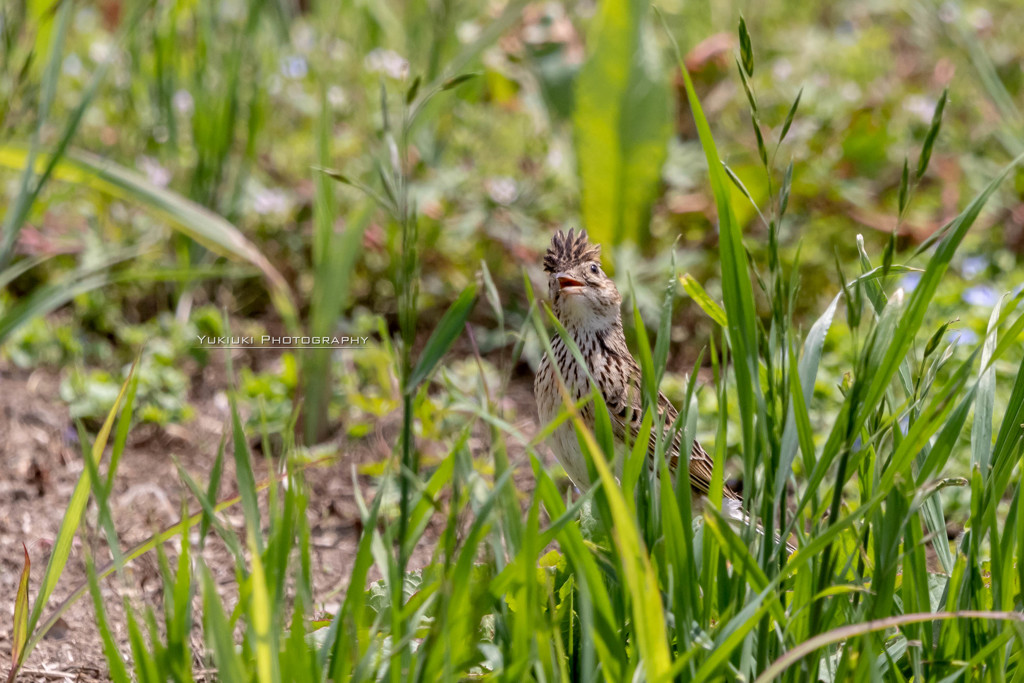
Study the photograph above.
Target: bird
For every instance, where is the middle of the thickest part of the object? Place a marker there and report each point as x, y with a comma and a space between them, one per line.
588, 305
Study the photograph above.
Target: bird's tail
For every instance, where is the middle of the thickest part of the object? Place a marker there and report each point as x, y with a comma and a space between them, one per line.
733, 509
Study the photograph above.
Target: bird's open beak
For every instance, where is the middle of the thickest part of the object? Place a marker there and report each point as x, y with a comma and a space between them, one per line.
565, 281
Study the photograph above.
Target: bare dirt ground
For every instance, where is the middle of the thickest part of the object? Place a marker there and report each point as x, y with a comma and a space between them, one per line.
42, 461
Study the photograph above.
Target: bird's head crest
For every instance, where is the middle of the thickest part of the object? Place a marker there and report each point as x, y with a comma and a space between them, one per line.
568, 250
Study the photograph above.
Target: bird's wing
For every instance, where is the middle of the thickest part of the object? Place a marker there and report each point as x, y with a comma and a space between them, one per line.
625, 407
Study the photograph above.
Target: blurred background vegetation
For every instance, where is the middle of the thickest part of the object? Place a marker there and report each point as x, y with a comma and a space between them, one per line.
163, 162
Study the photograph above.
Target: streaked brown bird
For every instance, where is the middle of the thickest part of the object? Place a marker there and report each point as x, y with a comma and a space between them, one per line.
587, 303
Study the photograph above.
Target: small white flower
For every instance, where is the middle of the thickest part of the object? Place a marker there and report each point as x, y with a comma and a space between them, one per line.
981, 295
183, 102
782, 69
972, 266
502, 190
387, 62
555, 157
294, 67
850, 92
980, 19
154, 172
920, 106
99, 51
336, 97
962, 337
270, 201
467, 32
72, 66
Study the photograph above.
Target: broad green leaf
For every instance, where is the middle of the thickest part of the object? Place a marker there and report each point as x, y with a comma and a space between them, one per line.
622, 123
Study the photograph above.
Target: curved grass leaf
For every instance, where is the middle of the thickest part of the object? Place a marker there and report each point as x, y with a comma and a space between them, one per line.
18, 210
201, 224
845, 633
702, 299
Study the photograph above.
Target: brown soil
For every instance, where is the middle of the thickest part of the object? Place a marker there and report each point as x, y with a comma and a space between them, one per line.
42, 462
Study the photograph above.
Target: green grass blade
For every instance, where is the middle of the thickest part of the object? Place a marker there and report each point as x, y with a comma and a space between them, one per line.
69, 526
143, 661
261, 620
661, 344
606, 640
810, 359
212, 488
141, 549
219, 632
19, 631
648, 613
118, 671
18, 210
209, 517
341, 647
737, 289
49, 297
243, 469
334, 258
981, 434
441, 339
899, 343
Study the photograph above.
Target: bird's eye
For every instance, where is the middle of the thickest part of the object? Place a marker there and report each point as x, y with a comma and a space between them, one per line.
594, 268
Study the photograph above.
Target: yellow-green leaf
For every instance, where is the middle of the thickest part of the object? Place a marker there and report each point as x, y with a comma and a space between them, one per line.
702, 299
